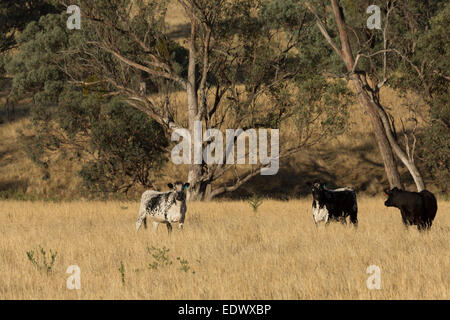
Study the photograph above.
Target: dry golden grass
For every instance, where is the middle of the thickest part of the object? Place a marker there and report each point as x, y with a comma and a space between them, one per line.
276, 253
176, 15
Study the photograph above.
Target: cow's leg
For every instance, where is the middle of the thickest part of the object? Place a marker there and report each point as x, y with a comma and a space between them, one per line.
405, 219
155, 226
424, 226
343, 218
183, 216
314, 219
169, 228
330, 219
314, 212
405, 223
354, 218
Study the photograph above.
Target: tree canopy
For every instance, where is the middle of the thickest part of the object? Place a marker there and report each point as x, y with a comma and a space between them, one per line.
117, 145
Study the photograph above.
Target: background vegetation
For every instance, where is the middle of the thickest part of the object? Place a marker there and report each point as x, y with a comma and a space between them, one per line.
85, 141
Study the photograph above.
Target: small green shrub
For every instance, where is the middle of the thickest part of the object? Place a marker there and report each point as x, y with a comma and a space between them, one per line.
184, 265
160, 257
44, 264
122, 272
255, 201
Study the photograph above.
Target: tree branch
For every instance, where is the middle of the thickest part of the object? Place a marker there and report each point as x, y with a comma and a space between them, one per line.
323, 30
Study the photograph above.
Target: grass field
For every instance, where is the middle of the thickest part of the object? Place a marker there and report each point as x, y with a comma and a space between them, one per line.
226, 251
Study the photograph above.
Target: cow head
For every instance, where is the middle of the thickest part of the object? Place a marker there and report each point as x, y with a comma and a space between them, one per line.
318, 190
179, 188
391, 197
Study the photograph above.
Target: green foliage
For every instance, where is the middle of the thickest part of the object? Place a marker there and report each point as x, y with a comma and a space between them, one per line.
434, 49
434, 150
160, 257
255, 201
184, 265
267, 32
122, 272
325, 100
42, 264
129, 146
425, 44
285, 13
15, 15
428, 49
117, 145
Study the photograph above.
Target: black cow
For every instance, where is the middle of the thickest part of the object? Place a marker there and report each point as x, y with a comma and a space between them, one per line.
334, 205
417, 208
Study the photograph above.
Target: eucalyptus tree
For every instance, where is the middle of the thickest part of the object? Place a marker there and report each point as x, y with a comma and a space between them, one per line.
373, 58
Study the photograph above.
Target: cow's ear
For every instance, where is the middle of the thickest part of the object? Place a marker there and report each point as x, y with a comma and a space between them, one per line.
170, 185
186, 185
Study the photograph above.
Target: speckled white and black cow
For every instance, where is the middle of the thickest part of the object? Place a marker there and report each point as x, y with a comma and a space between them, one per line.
163, 207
